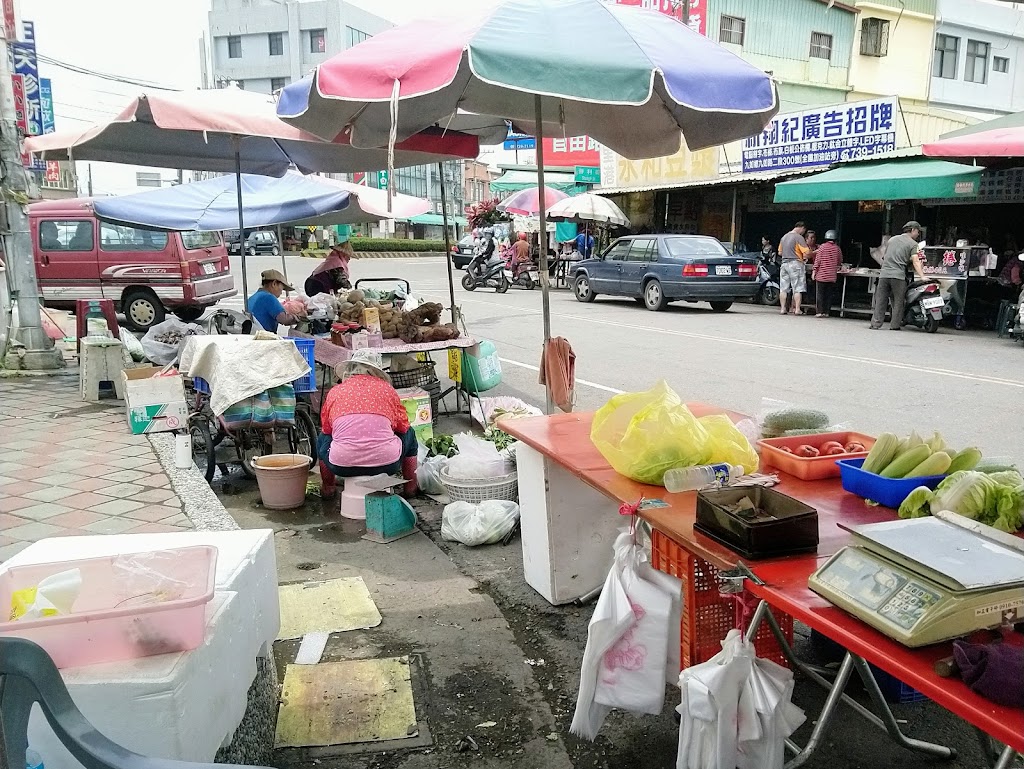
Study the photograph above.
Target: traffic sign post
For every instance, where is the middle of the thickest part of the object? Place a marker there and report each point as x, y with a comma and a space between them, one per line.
588, 174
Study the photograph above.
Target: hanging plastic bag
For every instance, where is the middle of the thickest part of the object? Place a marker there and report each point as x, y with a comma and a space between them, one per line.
428, 475
482, 524
644, 434
728, 444
632, 640
132, 345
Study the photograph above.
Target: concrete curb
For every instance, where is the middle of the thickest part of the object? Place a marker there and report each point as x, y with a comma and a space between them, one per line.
377, 254
198, 501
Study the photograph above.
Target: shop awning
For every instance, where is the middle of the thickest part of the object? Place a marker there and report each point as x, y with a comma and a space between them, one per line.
515, 180
437, 220
898, 180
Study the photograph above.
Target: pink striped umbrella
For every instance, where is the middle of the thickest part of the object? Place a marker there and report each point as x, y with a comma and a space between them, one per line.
527, 202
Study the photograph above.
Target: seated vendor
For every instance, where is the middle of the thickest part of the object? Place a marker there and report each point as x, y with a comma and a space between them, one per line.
365, 426
332, 273
265, 305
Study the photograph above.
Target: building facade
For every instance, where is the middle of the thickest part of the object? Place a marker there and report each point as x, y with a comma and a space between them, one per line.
476, 182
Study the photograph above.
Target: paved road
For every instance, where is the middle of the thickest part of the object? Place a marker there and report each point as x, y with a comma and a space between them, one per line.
965, 384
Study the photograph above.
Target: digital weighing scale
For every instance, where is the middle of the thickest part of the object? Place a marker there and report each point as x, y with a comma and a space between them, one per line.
926, 580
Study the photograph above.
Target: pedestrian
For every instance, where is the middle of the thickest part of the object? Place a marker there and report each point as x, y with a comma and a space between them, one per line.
792, 270
900, 255
585, 244
521, 258
265, 305
364, 426
826, 272
332, 274
768, 254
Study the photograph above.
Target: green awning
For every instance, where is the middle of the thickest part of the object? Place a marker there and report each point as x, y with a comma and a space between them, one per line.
916, 179
514, 180
438, 220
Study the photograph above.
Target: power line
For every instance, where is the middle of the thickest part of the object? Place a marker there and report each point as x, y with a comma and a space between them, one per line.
103, 75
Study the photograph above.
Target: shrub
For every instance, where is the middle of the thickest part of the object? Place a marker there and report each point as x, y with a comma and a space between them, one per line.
396, 244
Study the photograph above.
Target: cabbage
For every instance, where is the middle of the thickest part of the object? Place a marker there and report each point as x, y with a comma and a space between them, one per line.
995, 499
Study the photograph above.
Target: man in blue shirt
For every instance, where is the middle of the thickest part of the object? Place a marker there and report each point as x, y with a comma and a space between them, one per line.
585, 244
265, 304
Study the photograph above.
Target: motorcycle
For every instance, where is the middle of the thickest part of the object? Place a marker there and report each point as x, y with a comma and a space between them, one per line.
768, 283
487, 274
520, 274
923, 305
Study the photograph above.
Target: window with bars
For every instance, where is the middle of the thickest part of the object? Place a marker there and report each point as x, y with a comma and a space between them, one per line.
947, 50
731, 29
318, 41
234, 46
354, 37
1000, 64
976, 66
874, 37
277, 83
821, 46
275, 41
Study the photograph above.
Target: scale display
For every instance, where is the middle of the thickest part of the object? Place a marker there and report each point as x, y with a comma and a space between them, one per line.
908, 581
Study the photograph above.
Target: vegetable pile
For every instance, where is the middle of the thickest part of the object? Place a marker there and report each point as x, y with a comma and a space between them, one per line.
914, 457
420, 325
995, 499
793, 421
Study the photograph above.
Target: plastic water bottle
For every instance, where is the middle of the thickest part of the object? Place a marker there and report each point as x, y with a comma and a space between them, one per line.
33, 760
700, 477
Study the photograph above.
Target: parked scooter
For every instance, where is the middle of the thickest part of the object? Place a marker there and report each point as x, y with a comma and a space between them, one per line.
923, 305
223, 321
525, 275
768, 283
486, 274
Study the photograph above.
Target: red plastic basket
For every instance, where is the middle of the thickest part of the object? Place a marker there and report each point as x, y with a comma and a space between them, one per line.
707, 616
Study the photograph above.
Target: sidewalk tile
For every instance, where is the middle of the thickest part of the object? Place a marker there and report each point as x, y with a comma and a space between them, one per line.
155, 481
130, 463
22, 445
88, 484
50, 493
58, 479
32, 532
125, 476
11, 504
4, 481
8, 521
121, 490
10, 551
37, 460
76, 519
116, 507
62, 465
83, 500
152, 467
110, 526
157, 528
43, 511
177, 520
31, 473
152, 513
21, 488
151, 495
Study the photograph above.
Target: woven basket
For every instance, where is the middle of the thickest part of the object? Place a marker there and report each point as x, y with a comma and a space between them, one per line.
478, 490
421, 376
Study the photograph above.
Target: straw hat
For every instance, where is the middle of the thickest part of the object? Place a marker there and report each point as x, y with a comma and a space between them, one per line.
363, 362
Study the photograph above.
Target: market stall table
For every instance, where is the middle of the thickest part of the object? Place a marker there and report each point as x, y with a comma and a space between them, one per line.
871, 275
567, 487
163, 705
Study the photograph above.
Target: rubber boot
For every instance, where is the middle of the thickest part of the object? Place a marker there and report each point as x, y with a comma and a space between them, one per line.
409, 465
328, 483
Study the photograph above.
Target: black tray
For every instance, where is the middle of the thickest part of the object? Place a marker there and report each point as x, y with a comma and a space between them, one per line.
790, 527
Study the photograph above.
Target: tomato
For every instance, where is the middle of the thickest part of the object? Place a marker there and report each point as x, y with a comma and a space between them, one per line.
854, 447
827, 446
806, 451
835, 451
787, 449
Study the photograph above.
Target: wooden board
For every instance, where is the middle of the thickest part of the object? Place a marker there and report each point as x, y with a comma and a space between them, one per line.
331, 606
341, 703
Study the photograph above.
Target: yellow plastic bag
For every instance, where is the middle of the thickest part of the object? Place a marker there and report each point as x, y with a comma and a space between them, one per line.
728, 444
644, 434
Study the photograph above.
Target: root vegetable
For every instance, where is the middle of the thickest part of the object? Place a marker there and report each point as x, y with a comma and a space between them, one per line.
806, 451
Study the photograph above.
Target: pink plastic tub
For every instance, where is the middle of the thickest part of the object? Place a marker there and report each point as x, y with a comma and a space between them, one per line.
131, 605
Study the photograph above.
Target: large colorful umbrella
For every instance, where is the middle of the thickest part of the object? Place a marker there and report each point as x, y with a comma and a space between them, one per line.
528, 202
588, 207
994, 143
232, 130
637, 82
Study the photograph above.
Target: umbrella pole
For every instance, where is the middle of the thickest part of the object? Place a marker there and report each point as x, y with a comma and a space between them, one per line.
280, 244
545, 286
241, 229
447, 242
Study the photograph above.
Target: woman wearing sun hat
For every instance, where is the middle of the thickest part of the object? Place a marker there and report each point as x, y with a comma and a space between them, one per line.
365, 426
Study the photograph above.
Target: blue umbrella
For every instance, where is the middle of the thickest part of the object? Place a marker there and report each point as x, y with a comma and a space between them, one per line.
212, 204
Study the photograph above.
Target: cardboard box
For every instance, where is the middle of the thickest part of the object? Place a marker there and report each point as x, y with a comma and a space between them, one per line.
154, 404
417, 405
371, 320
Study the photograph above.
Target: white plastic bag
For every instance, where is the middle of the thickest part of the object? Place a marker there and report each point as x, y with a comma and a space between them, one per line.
54, 596
132, 345
428, 475
477, 458
155, 343
482, 524
632, 641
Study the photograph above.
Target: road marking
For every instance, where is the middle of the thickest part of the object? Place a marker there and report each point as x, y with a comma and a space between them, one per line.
778, 347
585, 382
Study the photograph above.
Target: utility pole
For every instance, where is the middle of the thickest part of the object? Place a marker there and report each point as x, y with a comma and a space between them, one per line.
40, 353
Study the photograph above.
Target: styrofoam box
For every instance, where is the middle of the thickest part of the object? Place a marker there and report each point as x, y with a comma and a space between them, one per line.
116, 617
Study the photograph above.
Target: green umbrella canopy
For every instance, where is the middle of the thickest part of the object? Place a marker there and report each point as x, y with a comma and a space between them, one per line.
917, 179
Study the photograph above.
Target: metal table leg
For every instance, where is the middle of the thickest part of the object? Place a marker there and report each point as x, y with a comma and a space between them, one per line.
835, 689
842, 301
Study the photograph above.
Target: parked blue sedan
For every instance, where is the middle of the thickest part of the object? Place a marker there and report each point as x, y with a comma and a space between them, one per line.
658, 269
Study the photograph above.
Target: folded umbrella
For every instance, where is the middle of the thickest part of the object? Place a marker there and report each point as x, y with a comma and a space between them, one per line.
528, 202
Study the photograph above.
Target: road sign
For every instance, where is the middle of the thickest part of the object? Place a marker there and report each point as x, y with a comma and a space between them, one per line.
523, 143
382, 180
588, 174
